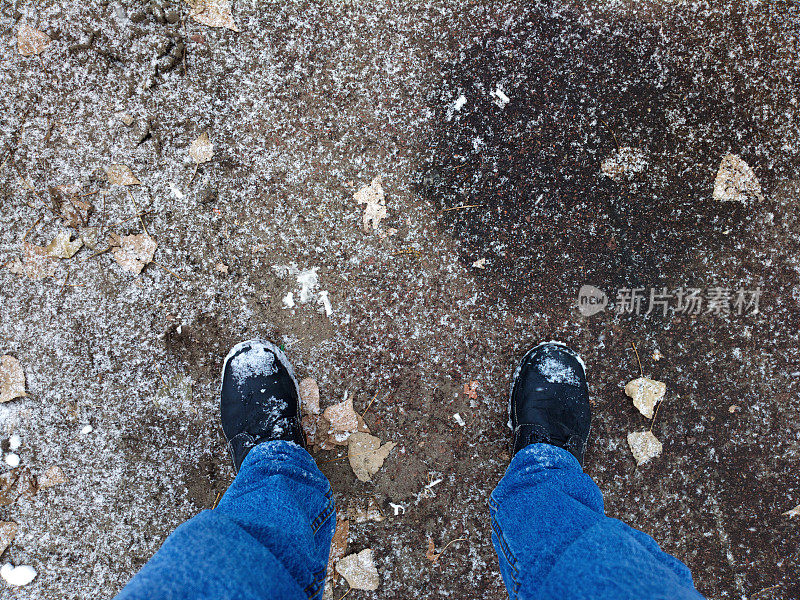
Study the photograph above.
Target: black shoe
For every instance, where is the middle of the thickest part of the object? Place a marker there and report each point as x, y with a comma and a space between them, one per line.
259, 399
550, 400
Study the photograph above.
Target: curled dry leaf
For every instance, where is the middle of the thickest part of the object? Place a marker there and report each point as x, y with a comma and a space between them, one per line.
214, 13
646, 393
8, 530
373, 198
53, 476
133, 252
121, 175
31, 41
471, 390
12, 379
202, 150
736, 181
62, 245
309, 396
431, 554
366, 455
360, 571
644, 446
338, 550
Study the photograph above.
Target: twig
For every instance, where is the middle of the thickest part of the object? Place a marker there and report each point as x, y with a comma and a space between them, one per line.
438, 555
370, 403
136, 206
216, 502
98, 253
30, 229
168, 270
653, 422
347, 592
641, 372
160, 375
612, 133
196, 164
462, 206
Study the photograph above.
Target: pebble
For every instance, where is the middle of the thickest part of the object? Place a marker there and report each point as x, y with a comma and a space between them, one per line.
14, 442
12, 460
87, 430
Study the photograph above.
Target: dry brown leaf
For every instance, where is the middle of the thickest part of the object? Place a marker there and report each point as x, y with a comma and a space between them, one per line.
62, 245
134, 252
736, 181
309, 396
26, 483
8, 487
202, 150
31, 41
121, 175
644, 446
366, 455
12, 379
8, 530
373, 198
471, 390
360, 571
221, 267
646, 393
342, 417
53, 476
36, 263
214, 13
75, 213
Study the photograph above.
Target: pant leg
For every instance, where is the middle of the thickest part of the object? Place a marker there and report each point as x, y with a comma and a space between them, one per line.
554, 541
269, 537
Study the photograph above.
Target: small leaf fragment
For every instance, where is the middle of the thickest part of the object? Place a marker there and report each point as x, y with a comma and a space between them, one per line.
646, 393
202, 150
134, 252
374, 199
644, 446
121, 175
53, 476
360, 571
12, 379
62, 246
31, 41
309, 396
736, 181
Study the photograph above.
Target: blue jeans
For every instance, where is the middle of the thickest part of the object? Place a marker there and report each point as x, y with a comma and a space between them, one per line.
270, 536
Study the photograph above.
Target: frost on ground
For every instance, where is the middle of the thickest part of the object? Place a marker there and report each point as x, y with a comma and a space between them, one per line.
305, 104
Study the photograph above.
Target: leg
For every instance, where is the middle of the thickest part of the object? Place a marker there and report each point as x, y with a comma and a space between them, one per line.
548, 525
271, 534
554, 540
269, 537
